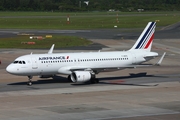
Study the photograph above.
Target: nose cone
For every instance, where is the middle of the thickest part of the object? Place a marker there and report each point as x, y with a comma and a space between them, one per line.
10, 69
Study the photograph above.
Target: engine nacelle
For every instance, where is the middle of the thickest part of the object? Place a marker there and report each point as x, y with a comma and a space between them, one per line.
81, 76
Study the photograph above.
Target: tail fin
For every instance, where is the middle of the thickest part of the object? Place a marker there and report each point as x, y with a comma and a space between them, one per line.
145, 40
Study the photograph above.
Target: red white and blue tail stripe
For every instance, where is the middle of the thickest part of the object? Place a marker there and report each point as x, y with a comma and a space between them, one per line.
145, 40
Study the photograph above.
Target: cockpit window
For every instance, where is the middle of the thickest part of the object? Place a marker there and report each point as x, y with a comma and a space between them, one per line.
19, 62
15, 62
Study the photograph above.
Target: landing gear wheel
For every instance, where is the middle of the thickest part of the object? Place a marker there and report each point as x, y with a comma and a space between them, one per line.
93, 81
29, 82
97, 80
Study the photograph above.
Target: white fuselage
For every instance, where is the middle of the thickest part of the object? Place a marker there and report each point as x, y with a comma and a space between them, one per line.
65, 63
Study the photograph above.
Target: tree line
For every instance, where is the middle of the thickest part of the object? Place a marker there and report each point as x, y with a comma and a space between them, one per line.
93, 5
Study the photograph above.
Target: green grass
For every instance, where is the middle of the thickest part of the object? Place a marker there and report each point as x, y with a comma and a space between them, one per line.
59, 41
84, 20
81, 20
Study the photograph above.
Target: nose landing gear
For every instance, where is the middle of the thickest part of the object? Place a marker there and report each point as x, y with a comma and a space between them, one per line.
30, 80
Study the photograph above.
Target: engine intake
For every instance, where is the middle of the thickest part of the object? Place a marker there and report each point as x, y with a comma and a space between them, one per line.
81, 76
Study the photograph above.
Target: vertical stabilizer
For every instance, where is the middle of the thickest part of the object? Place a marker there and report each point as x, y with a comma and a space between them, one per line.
145, 40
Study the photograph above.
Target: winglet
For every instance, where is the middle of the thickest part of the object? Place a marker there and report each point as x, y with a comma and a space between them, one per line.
51, 49
159, 62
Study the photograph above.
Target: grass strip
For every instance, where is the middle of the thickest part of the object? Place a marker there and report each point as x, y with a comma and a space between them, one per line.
93, 20
26, 43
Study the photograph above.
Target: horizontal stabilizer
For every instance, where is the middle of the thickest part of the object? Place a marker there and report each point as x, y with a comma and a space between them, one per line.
157, 64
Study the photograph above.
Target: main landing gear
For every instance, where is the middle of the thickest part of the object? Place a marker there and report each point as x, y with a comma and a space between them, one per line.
30, 80
93, 79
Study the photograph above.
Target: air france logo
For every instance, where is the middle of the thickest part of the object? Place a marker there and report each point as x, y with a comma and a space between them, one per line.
54, 58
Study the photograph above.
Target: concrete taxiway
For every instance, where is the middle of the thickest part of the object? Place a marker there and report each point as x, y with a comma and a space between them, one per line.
118, 96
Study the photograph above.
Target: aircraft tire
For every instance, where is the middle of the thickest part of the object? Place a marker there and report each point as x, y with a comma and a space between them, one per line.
94, 81
29, 84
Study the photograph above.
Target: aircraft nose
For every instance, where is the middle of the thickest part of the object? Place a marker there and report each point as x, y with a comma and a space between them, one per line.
10, 69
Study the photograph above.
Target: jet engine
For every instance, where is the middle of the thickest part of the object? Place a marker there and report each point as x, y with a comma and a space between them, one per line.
81, 76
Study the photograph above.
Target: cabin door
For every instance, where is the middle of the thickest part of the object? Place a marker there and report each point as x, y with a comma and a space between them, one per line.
34, 63
133, 58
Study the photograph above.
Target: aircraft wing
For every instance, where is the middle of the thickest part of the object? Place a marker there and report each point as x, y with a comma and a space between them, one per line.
160, 61
97, 70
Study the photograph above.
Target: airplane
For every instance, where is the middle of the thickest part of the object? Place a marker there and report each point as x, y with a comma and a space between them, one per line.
83, 67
